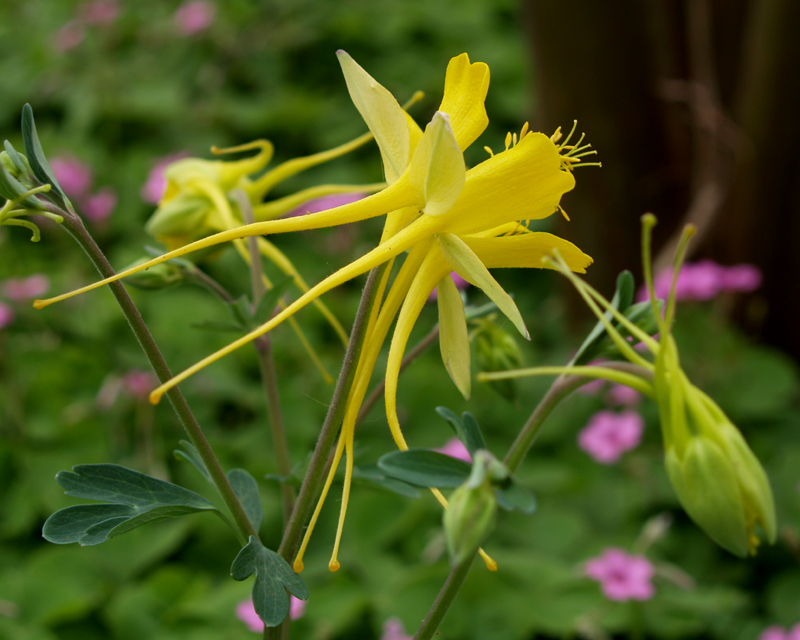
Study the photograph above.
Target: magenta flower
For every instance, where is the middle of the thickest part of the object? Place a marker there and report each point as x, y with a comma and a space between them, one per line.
139, 384
74, 176
620, 395
6, 315
741, 277
246, 612
68, 37
325, 202
22, 289
153, 189
779, 633
455, 449
592, 388
194, 16
99, 206
705, 280
393, 629
460, 283
609, 434
622, 576
99, 12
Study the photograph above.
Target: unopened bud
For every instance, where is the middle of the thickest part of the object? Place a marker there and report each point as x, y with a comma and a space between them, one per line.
497, 350
160, 276
469, 519
184, 215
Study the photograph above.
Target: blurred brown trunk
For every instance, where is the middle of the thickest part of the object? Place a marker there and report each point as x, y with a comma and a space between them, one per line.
693, 109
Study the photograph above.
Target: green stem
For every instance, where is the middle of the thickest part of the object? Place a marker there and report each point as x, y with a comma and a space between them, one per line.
560, 389
443, 601
312, 481
79, 232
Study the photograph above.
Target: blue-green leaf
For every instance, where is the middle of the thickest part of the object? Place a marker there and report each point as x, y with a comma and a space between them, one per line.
191, 455
246, 489
131, 500
33, 150
466, 428
515, 497
270, 300
425, 468
373, 475
274, 577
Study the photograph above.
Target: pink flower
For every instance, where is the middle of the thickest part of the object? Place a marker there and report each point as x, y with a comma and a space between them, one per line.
139, 384
620, 395
779, 633
6, 315
99, 12
592, 388
455, 449
68, 37
325, 202
21, 289
609, 434
741, 277
246, 612
393, 629
99, 206
460, 283
194, 16
74, 176
153, 189
622, 576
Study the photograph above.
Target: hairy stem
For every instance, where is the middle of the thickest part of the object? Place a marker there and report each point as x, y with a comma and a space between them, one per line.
78, 231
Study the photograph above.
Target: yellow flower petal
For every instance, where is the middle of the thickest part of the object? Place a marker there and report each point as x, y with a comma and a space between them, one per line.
382, 113
469, 266
465, 88
453, 340
437, 172
526, 251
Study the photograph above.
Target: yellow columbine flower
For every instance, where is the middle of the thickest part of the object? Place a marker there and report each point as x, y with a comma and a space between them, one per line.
448, 218
718, 480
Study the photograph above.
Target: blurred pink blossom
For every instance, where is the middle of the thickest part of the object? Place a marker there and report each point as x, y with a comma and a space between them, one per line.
779, 633
6, 315
325, 202
609, 434
21, 289
99, 12
620, 395
622, 576
455, 449
393, 629
460, 283
100, 205
705, 280
246, 612
194, 16
74, 176
153, 189
139, 384
592, 388
68, 37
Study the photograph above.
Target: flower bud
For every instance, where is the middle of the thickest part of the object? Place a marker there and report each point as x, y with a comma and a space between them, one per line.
719, 481
181, 216
497, 350
469, 519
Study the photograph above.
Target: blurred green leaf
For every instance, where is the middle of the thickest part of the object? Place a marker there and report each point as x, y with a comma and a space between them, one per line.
246, 489
191, 455
35, 154
373, 475
425, 468
466, 428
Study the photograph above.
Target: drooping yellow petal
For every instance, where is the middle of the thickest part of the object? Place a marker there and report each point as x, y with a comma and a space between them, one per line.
524, 183
277, 208
469, 266
526, 251
382, 113
453, 339
437, 171
465, 87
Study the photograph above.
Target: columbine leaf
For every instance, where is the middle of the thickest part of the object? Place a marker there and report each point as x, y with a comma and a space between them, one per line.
241, 311
191, 455
33, 150
274, 577
270, 300
466, 429
425, 468
515, 497
132, 499
373, 475
16, 158
246, 489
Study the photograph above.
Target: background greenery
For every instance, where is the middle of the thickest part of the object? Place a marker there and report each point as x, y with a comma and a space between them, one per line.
136, 90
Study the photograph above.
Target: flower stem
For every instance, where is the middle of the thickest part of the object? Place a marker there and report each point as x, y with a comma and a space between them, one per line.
330, 427
443, 601
78, 231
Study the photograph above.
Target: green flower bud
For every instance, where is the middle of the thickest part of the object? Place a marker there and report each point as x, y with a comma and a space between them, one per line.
497, 350
182, 216
160, 276
24, 177
469, 519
